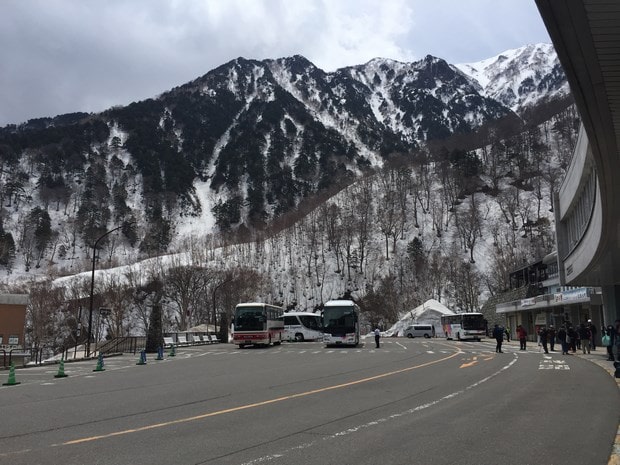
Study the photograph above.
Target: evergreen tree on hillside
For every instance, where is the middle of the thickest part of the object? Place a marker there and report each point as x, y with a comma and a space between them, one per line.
7, 250
155, 335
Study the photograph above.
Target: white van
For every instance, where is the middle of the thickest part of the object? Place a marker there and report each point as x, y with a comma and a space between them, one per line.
419, 331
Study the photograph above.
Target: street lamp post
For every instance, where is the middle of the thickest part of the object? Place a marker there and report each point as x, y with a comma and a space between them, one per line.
92, 289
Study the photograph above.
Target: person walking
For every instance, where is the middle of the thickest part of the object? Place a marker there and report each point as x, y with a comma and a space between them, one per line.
543, 334
522, 335
551, 336
377, 336
593, 334
572, 338
608, 340
498, 334
563, 339
584, 337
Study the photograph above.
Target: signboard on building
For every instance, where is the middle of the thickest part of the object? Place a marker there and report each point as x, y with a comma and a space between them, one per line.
528, 302
572, 294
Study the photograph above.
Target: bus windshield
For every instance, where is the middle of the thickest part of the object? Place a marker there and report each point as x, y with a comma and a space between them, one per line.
249, 319
475, 321
339, 319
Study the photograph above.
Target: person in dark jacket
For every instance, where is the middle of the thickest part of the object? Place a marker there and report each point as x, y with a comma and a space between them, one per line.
572, 338
522, 335
498, 334
551, 335
584, 337
611, 333
593, 333
563, 338
543, 334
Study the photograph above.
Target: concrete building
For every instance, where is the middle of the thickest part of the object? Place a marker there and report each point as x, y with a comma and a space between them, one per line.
585, 36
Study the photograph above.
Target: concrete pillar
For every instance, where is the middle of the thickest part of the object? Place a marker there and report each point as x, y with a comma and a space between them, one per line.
611, 303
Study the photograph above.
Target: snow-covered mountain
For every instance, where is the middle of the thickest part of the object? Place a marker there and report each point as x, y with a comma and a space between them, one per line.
520, 78
410, 207
241, 146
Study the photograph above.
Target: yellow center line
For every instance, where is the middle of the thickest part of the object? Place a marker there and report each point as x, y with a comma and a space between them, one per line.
254, 405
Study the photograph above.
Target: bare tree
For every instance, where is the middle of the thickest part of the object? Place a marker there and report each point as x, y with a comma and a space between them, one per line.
469, 226
146, 285
46, 315
184, 285
117, 297
387, 210
332, 224
363, 194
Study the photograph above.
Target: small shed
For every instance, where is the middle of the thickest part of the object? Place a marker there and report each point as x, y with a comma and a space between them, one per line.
13, 320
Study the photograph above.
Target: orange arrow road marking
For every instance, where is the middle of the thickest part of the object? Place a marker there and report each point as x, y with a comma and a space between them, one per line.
467, 365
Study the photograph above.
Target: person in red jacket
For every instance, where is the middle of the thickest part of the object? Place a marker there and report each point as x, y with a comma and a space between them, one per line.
522, 335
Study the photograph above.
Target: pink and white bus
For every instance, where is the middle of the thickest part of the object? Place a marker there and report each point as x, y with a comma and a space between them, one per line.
257, 324
464, 326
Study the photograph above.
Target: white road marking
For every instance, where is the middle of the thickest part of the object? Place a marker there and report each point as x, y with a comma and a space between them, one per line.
547, 363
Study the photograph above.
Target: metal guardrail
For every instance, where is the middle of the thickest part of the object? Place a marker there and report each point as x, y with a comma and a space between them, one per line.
127, 344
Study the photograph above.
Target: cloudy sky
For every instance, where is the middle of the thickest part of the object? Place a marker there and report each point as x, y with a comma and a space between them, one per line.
61, 56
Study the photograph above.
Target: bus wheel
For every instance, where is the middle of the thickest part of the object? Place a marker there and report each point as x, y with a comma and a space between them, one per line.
299, 337
242, 346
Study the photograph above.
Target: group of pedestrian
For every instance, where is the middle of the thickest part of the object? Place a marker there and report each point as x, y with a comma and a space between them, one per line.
569, 338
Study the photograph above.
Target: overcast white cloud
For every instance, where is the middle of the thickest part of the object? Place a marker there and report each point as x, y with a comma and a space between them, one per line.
60, 56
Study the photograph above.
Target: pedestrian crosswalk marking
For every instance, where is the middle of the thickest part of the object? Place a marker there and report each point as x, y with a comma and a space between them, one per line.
549, 364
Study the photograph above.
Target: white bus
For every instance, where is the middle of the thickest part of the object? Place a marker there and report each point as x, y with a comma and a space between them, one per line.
302, 326
464, 326
341, 323
257, 324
